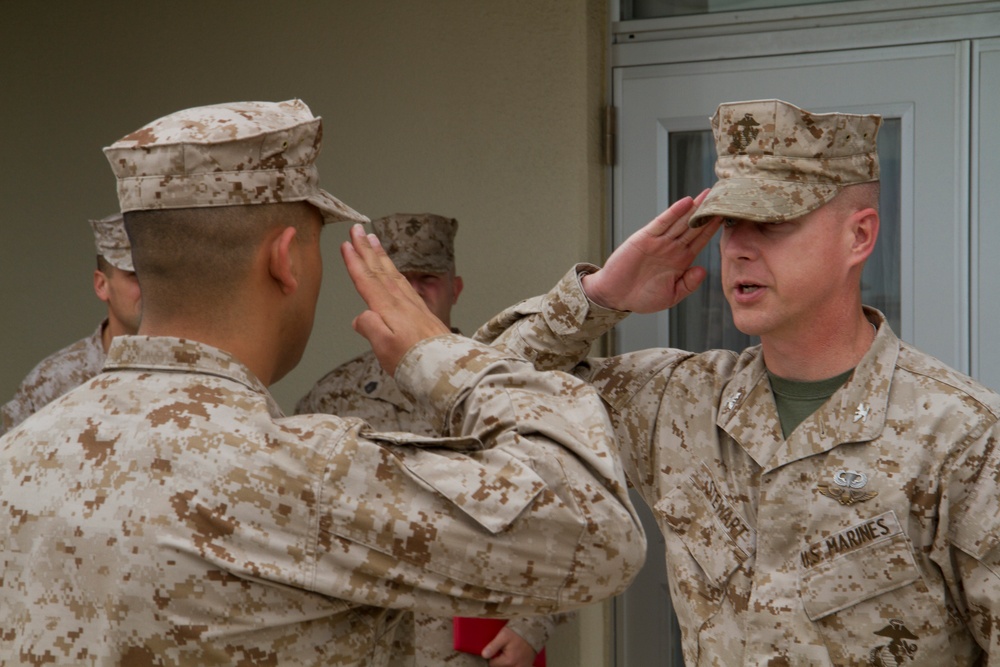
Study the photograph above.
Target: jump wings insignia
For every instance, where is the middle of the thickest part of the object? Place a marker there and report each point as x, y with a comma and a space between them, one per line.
848, 487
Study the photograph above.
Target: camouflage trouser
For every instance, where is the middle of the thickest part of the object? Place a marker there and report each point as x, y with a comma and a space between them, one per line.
426, 641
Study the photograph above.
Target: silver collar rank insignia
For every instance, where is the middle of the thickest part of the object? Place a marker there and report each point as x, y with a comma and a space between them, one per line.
848, 487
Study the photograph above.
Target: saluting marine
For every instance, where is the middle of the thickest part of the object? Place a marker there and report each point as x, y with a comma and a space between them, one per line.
821, 483
167, 512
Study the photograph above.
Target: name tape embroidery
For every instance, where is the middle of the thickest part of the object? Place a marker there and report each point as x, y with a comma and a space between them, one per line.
726, 514
870, 531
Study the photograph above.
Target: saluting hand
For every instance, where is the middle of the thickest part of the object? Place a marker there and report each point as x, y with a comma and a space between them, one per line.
397, 318
653, 269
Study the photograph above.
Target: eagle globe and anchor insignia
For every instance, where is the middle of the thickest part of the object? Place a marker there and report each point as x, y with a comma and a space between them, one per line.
848, 487
743, 132
898, 651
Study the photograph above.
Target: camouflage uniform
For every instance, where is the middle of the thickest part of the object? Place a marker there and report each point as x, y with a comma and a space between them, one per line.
167, 513
870, 536
360, 388
188, 520
872, 529
74, 364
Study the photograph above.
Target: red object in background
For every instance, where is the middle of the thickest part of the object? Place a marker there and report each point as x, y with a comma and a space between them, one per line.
471, 635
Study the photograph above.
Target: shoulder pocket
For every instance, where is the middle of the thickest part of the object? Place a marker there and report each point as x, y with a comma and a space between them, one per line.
489, 485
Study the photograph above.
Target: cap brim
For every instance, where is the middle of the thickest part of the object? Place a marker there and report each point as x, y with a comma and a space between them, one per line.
121, 262
762, 200
334, 210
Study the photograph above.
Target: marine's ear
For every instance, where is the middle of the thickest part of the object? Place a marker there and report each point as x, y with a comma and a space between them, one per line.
280, 260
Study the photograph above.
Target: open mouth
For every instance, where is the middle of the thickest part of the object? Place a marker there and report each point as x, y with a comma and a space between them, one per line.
747, 288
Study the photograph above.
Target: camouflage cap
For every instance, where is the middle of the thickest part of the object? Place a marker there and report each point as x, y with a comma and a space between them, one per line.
777, 162
111, 241
224, 155
418, 241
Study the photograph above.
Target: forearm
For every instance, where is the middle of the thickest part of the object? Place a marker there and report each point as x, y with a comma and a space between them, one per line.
554, 331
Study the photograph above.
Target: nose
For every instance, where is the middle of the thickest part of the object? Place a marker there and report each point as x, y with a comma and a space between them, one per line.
737, 240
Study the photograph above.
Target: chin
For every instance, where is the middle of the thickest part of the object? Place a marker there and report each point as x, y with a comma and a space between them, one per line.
747, 325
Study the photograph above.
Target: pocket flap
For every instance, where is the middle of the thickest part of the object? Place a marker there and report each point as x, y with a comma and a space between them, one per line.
493, 492
714, 533
857, 564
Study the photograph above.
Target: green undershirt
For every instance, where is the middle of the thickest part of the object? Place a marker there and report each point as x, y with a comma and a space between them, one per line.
797, 400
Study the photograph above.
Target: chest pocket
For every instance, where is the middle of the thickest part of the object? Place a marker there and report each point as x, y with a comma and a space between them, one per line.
716, 536
869, 600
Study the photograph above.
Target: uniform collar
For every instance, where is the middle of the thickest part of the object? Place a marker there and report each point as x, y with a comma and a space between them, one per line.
855, 413
167, 354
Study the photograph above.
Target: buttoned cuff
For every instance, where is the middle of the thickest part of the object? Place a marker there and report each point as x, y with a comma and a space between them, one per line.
571, 314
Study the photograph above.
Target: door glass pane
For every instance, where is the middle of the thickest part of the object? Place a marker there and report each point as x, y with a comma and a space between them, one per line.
703, 321
651, 9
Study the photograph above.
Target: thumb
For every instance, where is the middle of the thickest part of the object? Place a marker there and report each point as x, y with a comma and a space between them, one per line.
370, 325
690, 281
493, 648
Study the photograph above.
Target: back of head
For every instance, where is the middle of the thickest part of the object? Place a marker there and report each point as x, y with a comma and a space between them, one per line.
199, 187
418, 242
193, 259
777, 162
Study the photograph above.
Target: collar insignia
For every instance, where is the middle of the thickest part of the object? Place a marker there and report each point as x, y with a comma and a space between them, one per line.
734, 399
861, 413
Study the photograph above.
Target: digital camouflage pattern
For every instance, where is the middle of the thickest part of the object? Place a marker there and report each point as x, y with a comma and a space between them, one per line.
54, 376
418, 241
870, 536
111, 241
223, 155
167, 513
777, 162
360, 388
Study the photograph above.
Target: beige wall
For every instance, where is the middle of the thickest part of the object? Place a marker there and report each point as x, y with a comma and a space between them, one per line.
484, 111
